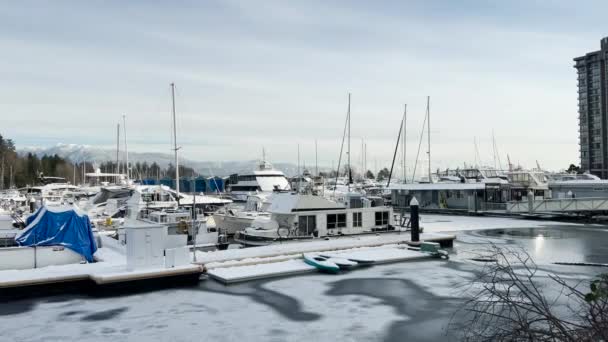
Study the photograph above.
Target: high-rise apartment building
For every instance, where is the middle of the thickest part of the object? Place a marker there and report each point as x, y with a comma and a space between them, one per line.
592, 110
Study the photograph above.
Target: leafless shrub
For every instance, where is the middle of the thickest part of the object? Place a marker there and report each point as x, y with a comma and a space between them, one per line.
508, 301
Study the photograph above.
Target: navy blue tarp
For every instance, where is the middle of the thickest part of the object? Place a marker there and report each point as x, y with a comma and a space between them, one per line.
59, 226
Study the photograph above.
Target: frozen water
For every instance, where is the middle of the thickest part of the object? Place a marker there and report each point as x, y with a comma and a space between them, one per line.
395, 302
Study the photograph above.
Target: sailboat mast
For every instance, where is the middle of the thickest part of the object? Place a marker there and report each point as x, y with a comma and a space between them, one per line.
364, 159
350, 175
316, 160
175, 148
124, 123
403, 143
428, 126
361, 160
117, 151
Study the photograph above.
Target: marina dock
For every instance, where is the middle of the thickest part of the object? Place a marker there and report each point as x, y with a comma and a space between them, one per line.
228, 266
280, 260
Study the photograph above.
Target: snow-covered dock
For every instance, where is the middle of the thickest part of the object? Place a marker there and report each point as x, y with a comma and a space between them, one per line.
110, 268
230, 256
270, 268
278, 260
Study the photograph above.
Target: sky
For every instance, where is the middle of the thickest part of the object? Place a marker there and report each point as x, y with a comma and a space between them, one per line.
276, 74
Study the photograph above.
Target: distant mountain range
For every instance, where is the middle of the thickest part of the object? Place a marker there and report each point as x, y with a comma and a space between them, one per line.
98, 155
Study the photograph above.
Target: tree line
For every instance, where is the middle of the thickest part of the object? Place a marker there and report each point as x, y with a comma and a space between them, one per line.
18, 171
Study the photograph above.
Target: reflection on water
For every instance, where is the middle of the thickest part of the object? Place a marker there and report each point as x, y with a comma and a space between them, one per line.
555, 244
538, 244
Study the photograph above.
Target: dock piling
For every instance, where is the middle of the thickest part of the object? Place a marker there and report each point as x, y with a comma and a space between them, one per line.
415, 220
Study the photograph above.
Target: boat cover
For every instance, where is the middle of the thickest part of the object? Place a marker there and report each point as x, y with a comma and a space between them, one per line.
65, 226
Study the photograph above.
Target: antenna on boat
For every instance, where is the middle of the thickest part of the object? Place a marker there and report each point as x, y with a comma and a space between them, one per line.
124, 123
299, 175
175, 148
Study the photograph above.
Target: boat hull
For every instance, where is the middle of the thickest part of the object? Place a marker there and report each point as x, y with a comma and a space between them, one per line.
232, 224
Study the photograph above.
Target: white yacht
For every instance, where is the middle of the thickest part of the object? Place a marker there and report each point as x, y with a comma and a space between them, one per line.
234, 219
296, 217
568, 185
523, 181
54, 193
199, 233
12, 199
111, 202
264, 179
472, 175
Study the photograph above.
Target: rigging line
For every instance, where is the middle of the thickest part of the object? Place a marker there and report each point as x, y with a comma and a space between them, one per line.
395, 154
419, 145
342, 146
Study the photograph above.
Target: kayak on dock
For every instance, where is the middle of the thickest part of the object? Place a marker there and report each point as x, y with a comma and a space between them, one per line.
321, 263
357, 261
343, 263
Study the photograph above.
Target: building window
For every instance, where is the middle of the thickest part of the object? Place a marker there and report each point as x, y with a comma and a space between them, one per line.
307, 224
381, 218
357, 219
336, 221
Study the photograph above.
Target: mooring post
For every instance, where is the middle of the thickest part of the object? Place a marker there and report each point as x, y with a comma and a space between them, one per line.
32, 204
415, 220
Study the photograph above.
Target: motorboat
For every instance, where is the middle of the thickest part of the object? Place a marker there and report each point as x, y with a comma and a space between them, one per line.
265, 179
300, 217
233, 218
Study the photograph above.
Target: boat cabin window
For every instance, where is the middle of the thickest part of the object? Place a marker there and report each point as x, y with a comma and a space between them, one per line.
244, 188
336, 221
307, 224
247, 178
357, 219
381, 218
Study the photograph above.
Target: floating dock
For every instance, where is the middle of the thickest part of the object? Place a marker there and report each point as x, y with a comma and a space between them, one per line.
296, 266
227, 266
109, 270
280, 260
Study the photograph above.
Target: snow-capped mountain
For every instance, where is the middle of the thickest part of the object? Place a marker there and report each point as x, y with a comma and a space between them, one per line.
94, 154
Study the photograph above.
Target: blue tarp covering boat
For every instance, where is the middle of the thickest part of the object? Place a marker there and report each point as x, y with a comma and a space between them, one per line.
65, 226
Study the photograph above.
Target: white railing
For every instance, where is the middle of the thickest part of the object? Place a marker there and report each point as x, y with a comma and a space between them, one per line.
559, 205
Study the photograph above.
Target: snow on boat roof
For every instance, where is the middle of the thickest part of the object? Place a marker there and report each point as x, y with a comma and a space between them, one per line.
289, 203
438, 186
589, 182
